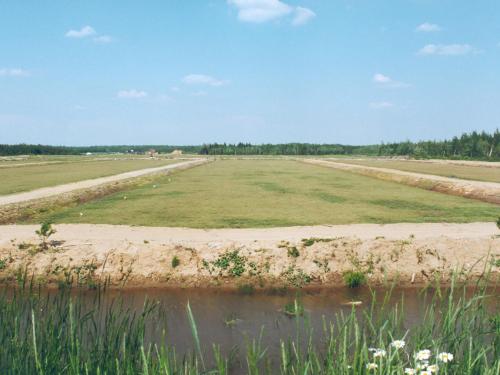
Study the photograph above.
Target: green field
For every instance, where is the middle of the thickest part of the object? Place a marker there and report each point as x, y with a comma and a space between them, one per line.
446, 170
29, 177
263, 193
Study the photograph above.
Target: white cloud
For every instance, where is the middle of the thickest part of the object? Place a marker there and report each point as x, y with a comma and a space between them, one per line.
103, 39
259, 11
84, 32
380, 78
131, 94
381, 105
175, 89
202, 79
428, 28
302, 16
13, 72
447, 49
385, 81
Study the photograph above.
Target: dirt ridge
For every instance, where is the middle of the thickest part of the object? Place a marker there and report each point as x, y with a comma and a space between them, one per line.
314, 256
480, 190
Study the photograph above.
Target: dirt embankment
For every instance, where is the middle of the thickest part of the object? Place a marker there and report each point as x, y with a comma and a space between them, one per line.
319, 256
484, 191
25, 205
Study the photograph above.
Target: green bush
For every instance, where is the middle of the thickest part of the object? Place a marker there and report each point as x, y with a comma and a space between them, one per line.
354, 279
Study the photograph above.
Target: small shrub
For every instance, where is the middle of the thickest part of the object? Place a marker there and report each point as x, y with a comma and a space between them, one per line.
293, 252
46, 230
354, 279
3, 264
175, 262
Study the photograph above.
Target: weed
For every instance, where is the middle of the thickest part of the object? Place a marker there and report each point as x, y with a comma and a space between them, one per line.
354, 279
230, 263
175, 261
293, 252
311, 241
294, 309
322, 264
296, 277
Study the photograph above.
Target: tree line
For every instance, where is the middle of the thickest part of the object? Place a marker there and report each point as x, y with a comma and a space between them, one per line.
474, 145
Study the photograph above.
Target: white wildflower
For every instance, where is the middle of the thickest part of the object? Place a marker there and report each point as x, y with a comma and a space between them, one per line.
445, 357
425, 372
379, 353
398, 344
432, 368
410, 371
372, 366
423, 355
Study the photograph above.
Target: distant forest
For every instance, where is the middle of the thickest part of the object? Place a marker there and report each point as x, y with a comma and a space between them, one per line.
480, 146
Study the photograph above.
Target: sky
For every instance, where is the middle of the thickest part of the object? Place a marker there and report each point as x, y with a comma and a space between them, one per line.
183, 72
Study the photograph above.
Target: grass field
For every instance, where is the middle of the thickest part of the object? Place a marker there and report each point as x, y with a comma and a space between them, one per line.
440, 169
261, 193
29, 177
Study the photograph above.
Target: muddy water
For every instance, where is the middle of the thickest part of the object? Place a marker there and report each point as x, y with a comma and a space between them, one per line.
232, 320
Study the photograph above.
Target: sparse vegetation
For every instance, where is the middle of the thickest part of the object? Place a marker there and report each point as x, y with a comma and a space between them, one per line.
230, 263
311, 241
293, 252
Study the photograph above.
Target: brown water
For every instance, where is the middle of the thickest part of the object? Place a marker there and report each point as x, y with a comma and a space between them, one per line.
232, 320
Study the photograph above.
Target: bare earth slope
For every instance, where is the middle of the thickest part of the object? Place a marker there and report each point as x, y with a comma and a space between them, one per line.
485, 191
142, 256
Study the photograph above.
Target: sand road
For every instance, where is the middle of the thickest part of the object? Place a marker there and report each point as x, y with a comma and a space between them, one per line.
86, 184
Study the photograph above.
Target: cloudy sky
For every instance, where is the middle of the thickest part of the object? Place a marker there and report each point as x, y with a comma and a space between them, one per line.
188, 72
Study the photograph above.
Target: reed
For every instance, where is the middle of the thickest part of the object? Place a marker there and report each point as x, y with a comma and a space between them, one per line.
56, 333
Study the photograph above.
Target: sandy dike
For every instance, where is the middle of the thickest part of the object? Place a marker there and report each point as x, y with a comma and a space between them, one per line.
484, 191
413, 254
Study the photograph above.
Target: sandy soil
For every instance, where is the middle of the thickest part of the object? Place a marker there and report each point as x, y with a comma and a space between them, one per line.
485, 191
142, 256
86, 184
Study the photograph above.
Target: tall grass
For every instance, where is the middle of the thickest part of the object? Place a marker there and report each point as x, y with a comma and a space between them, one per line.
58, 333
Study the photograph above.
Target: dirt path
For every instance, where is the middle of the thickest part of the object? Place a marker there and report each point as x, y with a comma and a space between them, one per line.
485, 191
274, 257
467, 163
87, 184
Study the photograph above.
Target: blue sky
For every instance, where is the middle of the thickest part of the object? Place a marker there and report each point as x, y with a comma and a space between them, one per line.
189, 72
